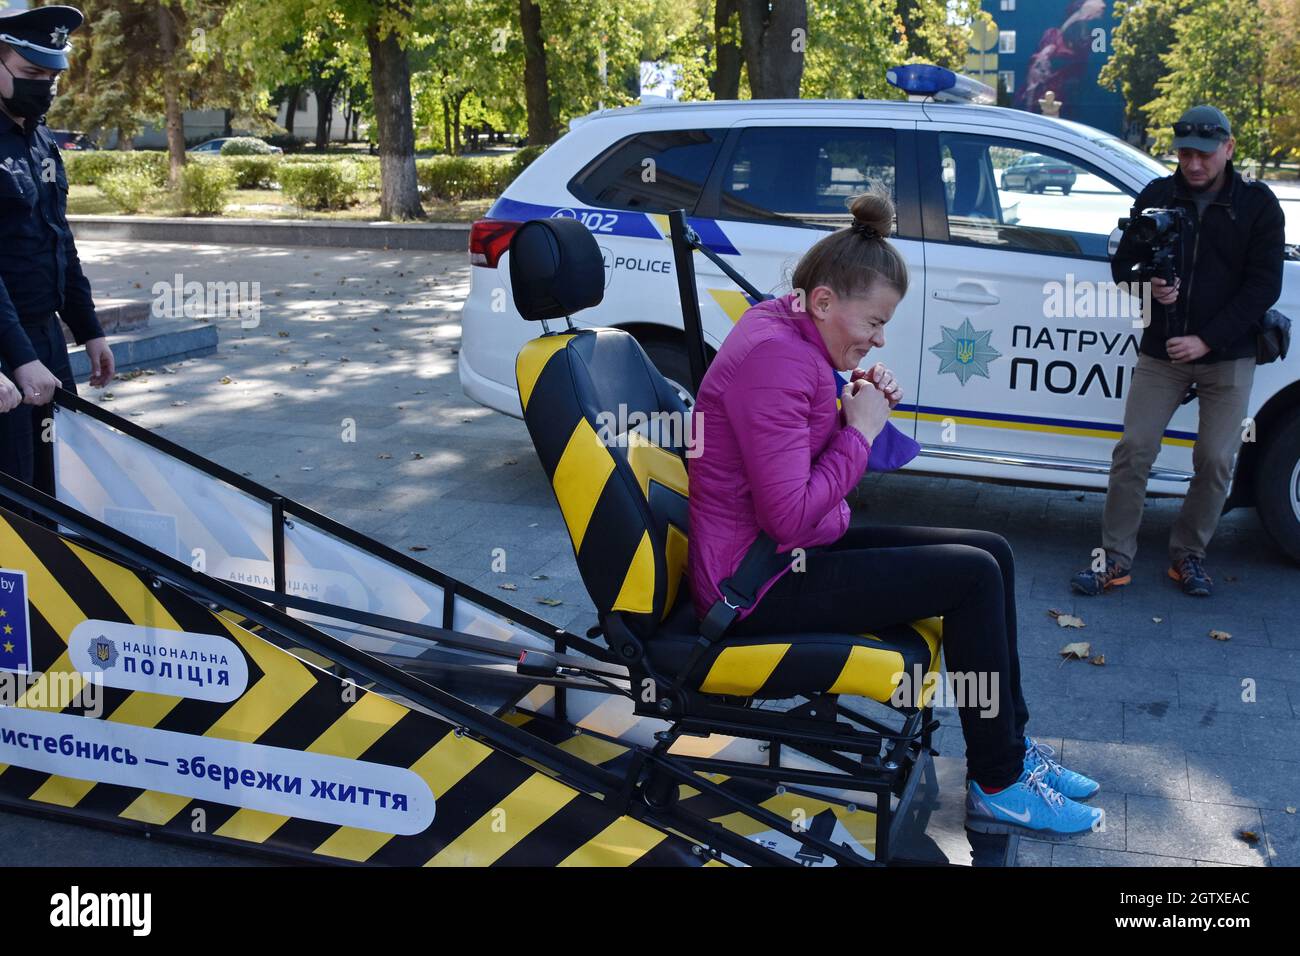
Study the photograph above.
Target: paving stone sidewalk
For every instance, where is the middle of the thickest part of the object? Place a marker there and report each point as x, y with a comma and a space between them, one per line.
1186, 764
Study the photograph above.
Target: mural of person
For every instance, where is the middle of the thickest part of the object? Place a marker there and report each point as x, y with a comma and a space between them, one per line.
1061, 59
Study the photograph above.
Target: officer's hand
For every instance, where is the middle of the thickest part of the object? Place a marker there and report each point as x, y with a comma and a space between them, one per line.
10, 397
1186, 348
37, 382
102, 364
1163, 292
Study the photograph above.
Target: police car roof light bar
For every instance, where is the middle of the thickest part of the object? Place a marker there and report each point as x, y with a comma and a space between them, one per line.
924, 80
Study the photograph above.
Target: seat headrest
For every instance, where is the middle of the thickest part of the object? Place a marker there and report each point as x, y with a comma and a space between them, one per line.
556, 269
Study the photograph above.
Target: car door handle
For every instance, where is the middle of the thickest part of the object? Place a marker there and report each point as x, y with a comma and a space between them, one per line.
974, 298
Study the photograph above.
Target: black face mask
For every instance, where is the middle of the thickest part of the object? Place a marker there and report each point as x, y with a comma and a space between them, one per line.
31, 99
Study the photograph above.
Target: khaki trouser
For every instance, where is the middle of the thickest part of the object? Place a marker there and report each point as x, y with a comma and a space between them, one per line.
1155, 389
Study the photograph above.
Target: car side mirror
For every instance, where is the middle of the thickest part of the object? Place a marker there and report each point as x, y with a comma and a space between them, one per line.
1112, 244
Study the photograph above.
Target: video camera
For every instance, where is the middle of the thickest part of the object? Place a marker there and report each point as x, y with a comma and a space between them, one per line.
1159, 234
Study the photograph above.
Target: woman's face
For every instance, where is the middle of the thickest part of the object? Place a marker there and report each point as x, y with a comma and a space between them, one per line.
852, 327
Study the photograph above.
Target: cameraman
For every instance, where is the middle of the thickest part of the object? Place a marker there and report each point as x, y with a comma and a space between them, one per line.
1201, 332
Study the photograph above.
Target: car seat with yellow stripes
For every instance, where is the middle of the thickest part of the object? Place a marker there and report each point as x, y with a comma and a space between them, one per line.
611, 435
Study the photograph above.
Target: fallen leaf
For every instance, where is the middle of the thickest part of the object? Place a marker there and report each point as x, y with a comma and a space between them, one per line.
1077, 651
415, 456
384, 454
1157, 620
1069, 620
226, 380
541, 577
178, 404
1290, 809
549, 602
1248, 836
1099, 660
283, 335
512, 461
1221, 635
508, 587
418, 547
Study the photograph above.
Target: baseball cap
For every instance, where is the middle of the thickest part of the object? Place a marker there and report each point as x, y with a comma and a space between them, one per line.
1203, 128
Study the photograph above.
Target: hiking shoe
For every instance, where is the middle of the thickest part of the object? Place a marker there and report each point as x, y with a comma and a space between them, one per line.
1092, 583
1066, 782
1031, 808
1190, 573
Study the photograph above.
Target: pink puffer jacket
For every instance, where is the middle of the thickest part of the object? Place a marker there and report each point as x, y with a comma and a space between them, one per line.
775, 454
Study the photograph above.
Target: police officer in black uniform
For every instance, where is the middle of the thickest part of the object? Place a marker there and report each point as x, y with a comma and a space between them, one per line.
40, 275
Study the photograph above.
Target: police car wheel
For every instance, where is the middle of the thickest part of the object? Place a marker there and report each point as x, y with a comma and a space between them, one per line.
1277, 487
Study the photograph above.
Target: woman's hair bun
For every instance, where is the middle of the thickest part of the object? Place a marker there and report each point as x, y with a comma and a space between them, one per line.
873, 211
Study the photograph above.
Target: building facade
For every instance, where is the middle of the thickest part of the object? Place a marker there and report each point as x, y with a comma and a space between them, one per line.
1043, 56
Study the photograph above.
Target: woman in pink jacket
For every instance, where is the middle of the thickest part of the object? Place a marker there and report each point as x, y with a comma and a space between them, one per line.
778, 455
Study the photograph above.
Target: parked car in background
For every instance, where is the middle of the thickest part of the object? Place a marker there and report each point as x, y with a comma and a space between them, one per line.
1034, 173
212, 147
69, 139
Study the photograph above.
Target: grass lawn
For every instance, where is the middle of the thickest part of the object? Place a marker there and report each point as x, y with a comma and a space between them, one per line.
272, 204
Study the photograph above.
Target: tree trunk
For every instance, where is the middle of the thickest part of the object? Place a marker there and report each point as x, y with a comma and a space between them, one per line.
537, 88
390, 78
446, 125
773, 53
292, 110
727, 59
325, 94
460, 98
226, 116
175, 120
124, 143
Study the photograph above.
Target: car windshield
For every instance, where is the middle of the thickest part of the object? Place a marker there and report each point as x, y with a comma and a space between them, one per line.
1139, 162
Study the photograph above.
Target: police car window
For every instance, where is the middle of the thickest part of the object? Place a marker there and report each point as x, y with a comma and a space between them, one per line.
805, 175
999, 193
653, 172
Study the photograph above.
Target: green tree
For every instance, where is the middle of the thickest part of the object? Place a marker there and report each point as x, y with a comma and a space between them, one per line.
141, 59
1218, 57
1141, 38
378, 33
1282, 73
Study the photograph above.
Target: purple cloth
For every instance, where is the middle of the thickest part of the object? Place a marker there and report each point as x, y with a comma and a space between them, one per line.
774, 452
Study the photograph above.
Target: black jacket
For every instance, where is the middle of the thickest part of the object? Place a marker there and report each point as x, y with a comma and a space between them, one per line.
1232, 266
40, 272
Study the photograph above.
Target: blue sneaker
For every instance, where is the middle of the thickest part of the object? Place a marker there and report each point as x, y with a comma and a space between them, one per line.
1031, 808
1068, 783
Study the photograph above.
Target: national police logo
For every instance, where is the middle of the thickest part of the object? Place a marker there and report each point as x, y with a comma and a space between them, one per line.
965, 352
59, 38
105, 652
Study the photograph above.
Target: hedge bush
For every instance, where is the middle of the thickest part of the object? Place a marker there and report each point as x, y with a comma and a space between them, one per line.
88, 168
205, 187
128, 189
321, 185
459, 177
246, 146
253, 172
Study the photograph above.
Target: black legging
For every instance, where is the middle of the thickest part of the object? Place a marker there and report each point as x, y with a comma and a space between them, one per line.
875, 577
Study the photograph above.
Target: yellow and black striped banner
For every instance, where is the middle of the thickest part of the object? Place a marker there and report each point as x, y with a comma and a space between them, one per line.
116, 755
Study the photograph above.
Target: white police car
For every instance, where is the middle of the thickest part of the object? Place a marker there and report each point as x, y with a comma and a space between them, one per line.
1013, 345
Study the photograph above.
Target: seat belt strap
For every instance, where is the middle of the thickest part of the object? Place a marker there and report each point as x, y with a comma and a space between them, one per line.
761, 563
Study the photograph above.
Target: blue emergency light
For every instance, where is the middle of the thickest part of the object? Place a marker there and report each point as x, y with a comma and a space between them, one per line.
943, 85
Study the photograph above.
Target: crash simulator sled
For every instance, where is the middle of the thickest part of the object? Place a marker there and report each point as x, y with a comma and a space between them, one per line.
198, 657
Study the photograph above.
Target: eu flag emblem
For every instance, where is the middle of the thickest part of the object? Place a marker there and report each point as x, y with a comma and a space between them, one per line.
15, 626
